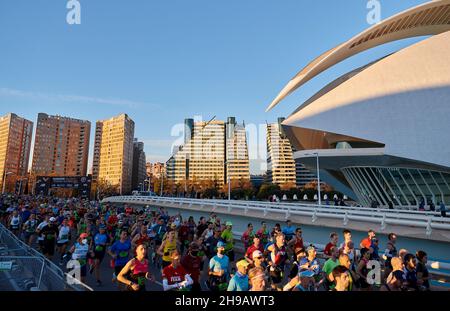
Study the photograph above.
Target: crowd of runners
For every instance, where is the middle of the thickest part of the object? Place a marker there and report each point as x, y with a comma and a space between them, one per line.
204, 254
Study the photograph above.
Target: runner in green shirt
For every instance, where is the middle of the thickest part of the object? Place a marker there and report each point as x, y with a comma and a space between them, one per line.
227, 236
329, 266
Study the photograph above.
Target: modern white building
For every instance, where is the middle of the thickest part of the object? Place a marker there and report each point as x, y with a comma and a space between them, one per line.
382, 131
213, 151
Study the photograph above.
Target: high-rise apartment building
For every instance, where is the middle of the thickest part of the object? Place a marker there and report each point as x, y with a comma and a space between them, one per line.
281, 166
156, 170
113, 152
303, 175
211, 151
139, 167
61, 146
280, 156
237, 163
15, 145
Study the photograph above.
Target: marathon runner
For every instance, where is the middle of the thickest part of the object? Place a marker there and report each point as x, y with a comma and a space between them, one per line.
263, 232
136, 272
277, 260
99, 245
192, 263
174, 276
79, 253
29, 229
228, 237
247, 236
219, 270
362, 270
167, 247
64, 238
256, 246
257, 279
49, 234
15, 222
311, 263
341, 277
239, 282
120, 252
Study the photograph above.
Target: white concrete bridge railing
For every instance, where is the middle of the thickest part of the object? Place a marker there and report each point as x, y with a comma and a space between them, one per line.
426, 220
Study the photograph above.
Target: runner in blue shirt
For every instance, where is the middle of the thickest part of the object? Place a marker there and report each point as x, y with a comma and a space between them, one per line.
289, 231
239, 282
100, 242
120, 252
219, 269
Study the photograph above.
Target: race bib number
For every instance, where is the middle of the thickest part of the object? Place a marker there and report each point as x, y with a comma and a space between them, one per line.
123, 254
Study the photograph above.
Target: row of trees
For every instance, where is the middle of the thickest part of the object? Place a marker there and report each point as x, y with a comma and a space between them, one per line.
241, 189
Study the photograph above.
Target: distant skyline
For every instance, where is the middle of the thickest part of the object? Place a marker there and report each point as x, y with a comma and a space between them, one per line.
161, 62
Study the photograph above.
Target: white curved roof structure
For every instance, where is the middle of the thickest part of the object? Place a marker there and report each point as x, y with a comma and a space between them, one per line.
431, 18
400, 102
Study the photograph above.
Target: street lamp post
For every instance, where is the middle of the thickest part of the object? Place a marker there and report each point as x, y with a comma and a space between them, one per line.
4, 180
318, 178
318, 174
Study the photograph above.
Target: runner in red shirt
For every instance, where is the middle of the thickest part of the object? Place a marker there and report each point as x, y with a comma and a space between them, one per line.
183, 235
191, 262
297, 241
175, 276
367, 242
248, 235
333, 242
112, 221
257, 246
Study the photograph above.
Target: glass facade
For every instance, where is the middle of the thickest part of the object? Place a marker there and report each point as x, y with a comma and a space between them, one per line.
404, 187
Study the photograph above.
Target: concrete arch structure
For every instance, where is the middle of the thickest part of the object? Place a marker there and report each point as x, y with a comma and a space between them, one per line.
431, 18
381, 129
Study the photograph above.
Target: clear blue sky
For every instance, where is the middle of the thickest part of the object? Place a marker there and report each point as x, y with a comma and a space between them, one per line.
161, 61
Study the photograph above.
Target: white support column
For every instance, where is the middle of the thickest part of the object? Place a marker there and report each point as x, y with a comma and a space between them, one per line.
359, 188
420, 190
426, 184
390, 188
407, 186
443, 178
398, 186
367, 170
374, 194
353, 185
363, 187
437, 185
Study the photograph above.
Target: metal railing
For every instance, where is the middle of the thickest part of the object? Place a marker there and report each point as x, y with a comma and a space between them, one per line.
30, 270
426, 220
438, 268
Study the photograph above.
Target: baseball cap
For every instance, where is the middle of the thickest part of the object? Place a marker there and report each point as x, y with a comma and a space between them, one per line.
257, 254
83, 236
220, 244
228, 223
102, 226
243, 263
52, 219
